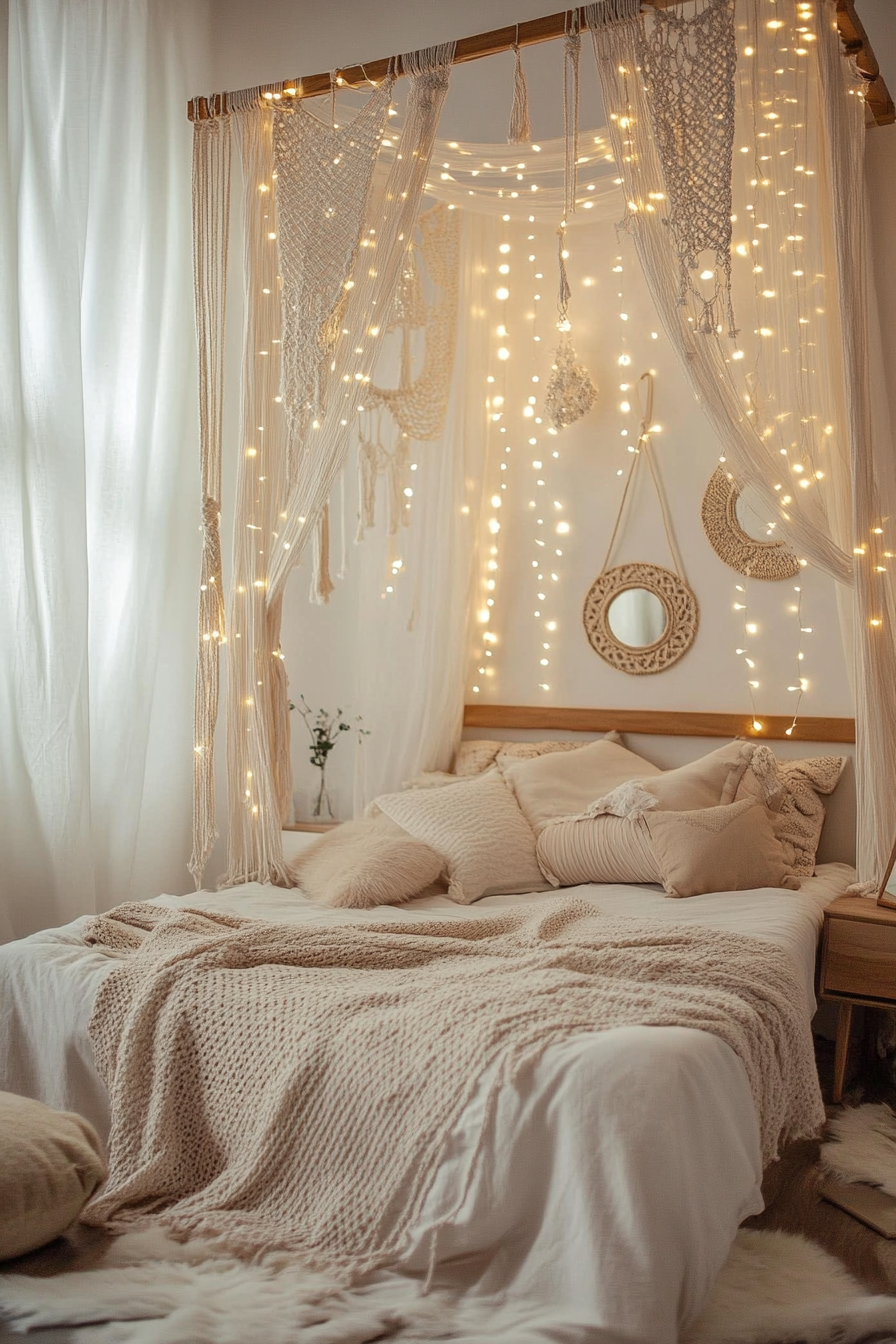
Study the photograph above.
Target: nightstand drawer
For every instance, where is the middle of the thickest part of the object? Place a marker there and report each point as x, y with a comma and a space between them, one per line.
860, 959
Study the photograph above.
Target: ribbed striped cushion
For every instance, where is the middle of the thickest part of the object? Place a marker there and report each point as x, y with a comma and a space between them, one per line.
597, 849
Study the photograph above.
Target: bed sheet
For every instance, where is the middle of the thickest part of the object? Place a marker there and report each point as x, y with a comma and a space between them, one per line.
608, 1183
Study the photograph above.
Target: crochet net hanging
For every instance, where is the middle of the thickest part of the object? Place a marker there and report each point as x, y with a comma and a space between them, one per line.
303, 383
688, 65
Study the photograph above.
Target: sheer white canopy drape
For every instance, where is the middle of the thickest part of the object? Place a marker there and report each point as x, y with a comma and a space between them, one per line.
789, 396
97, 476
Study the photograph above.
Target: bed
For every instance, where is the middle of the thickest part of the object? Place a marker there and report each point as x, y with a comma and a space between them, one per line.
660, 1121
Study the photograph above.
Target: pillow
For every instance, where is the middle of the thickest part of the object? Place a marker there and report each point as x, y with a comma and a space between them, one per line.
482, 836
707, 782
563, 784
572, 850
50, 1164
476, 755
727, 848
800, 812
365, 863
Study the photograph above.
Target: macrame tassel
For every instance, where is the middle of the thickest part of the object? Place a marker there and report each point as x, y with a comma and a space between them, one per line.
367, 455
564, 293
520, 126
321, 583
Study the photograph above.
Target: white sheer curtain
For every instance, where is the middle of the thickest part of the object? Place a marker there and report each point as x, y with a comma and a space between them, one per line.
789, 397
98, 485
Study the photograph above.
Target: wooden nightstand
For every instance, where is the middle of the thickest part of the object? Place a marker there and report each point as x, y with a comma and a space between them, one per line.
858, 965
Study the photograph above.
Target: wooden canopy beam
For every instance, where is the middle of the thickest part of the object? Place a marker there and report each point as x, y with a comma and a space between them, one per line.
852, 34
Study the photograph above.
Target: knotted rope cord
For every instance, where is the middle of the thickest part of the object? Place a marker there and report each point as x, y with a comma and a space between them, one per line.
520, 126
644, 447
211, 232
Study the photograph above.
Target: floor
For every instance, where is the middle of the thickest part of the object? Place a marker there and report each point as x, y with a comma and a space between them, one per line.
793, 1202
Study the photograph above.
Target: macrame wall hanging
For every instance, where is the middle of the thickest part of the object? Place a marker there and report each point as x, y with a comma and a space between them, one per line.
641, 618
752, 558
688, 65
570, 392
417, 407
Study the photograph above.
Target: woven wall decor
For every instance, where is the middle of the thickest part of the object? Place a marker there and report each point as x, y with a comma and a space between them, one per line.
756, 559
679, 604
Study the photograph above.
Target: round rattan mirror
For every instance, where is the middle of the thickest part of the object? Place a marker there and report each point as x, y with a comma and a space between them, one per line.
755, 559
636, 602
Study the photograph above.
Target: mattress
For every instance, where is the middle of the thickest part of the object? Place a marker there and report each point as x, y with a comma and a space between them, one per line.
607, 1184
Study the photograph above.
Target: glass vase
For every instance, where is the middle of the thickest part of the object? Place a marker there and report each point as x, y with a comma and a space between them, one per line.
323, 804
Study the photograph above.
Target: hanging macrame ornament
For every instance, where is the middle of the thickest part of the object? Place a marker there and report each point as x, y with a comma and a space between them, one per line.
689, 65
571, 391
520, 127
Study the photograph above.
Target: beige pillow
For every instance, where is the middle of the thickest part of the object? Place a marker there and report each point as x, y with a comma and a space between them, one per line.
563, 784
597, 849
364, 863
706, 782
477, 755
727, 848
478, 830
800, 812
51, 1162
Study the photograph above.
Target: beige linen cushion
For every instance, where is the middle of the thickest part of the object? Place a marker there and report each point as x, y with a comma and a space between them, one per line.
727, 848
477, 755
364, 863
563, 785
51, 1162
799, 810
707, 782
478, 830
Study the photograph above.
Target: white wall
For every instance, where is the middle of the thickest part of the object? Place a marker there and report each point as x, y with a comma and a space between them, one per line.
282, 38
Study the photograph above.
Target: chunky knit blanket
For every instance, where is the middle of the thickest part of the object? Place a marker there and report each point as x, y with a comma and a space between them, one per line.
294, 1086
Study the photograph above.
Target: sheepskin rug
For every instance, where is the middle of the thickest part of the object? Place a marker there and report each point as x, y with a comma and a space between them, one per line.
774, 1289
862, 1146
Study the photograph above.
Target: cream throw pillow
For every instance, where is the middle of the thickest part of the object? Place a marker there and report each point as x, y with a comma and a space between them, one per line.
800, 811
597, 849
479, 831
477, 755
706, 782
364, 863
728, 848
51, 1162
563, 785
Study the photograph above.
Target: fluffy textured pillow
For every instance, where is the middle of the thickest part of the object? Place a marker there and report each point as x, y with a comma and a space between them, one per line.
478, 830
51, 1162
728, 848
365, 863
799, 810
563, 785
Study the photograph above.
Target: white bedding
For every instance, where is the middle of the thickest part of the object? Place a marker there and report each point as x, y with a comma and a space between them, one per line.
612, 1178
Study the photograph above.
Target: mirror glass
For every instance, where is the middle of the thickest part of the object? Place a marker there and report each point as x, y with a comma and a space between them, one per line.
637, 617
753, 517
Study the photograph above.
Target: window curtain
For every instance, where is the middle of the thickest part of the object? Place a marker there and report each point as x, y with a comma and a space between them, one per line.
788, 387
98, 483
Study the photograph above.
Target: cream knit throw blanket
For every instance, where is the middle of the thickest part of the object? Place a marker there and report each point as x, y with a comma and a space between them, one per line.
294, 1086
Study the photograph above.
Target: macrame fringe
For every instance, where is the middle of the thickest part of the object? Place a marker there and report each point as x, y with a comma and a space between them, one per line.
520, 126
321, 583
862, 889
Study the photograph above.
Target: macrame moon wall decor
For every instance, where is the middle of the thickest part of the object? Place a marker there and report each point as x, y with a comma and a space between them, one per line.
652, 646
755, 559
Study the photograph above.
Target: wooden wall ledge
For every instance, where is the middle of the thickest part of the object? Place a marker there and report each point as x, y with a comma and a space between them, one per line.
661, 722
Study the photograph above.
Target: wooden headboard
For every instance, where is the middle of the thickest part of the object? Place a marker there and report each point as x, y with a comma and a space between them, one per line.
659, 722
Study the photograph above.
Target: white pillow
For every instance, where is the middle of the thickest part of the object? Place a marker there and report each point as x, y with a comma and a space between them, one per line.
564, 784
51, 1162
365, 863
477, 828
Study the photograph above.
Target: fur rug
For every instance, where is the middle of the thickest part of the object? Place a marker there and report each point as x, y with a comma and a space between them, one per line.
774, 1289
863, 1146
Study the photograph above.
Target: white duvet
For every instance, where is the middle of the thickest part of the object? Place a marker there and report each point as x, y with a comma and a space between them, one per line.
610, 1181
